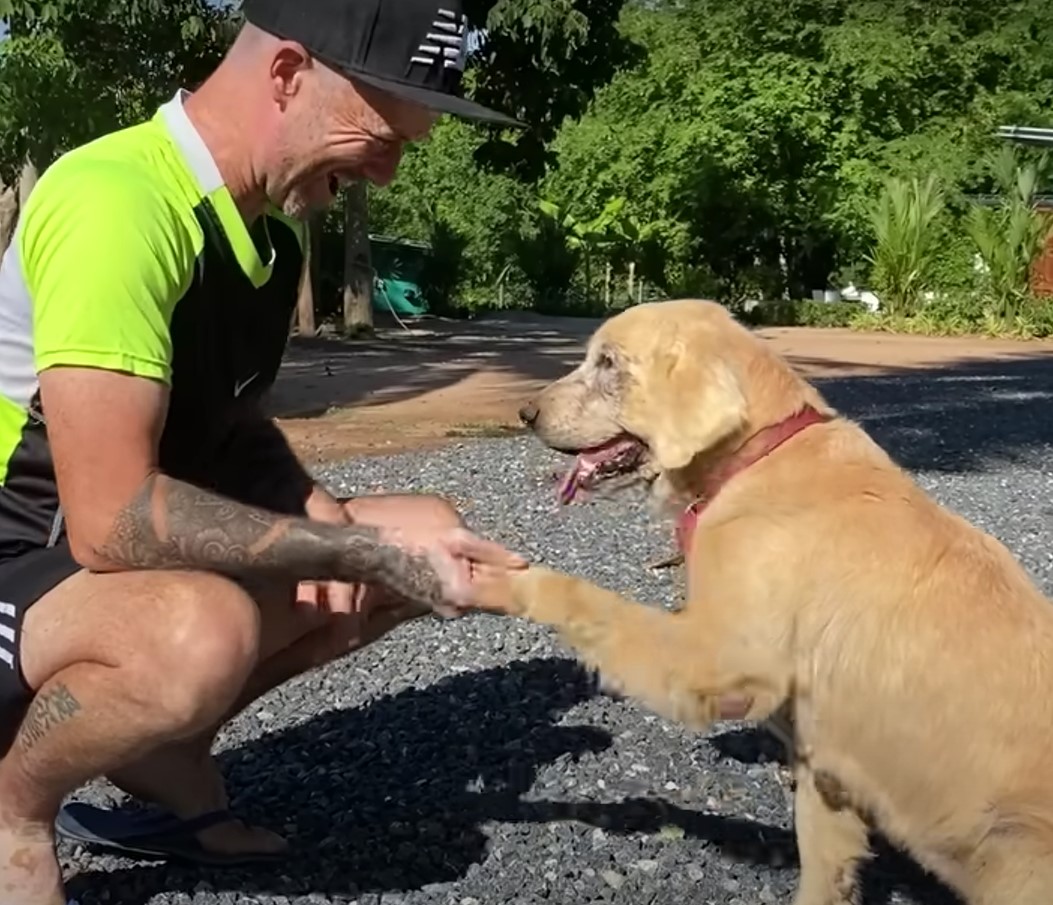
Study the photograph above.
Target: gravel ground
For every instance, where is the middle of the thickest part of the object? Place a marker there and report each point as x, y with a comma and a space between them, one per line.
471, 762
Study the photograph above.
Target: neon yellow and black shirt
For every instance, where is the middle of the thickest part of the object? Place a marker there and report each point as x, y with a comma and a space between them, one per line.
131, 255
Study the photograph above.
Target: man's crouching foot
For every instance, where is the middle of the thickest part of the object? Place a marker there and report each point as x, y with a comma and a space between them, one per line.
184, 779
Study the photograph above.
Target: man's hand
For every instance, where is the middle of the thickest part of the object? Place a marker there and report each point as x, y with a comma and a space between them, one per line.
328, 596
455, 555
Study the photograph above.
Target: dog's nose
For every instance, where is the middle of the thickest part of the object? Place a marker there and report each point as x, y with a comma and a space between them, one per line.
528, 413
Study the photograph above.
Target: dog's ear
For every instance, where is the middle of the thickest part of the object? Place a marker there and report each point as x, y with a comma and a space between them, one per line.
695, 402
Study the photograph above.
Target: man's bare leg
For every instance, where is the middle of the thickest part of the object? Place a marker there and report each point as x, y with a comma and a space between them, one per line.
184, 777
102, 652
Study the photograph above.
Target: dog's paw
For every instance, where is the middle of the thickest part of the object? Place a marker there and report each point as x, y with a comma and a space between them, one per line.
501, 591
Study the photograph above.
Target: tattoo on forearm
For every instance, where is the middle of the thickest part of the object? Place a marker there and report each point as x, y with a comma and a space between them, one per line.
174, 525
49, 709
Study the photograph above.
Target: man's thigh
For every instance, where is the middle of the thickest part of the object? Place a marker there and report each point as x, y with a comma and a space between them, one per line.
118, 619
66, 615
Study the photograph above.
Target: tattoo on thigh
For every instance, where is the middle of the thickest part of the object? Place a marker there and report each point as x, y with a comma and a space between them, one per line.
49, 709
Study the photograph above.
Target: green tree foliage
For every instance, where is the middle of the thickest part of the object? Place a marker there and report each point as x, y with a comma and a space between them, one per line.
749, 140
73, 70
753, 137
542, 60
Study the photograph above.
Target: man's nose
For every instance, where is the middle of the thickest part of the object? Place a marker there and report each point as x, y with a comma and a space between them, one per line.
528, 413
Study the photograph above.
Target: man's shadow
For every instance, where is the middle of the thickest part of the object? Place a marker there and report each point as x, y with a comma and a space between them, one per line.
392, 796
388, 796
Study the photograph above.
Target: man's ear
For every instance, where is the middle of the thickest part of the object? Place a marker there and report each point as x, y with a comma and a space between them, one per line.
696, 401
287, 68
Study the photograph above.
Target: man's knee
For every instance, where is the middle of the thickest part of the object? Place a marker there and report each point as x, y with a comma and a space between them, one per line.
200, 648
438, 511
402, 510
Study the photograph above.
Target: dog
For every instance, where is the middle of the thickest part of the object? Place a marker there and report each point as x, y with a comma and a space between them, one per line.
905, 653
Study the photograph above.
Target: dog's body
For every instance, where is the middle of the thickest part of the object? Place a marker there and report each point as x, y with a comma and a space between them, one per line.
913, 652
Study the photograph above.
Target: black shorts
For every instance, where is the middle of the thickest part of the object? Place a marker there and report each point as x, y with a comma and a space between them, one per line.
24, 579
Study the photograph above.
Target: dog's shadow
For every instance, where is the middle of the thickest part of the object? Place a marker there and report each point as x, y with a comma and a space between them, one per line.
393, 796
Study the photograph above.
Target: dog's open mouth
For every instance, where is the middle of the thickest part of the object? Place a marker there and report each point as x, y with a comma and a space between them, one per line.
619, 456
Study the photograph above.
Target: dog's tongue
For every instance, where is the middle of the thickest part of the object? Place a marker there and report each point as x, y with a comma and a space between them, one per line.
586, 465
577, 476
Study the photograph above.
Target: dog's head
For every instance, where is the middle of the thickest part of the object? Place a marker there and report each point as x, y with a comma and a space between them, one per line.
662, 385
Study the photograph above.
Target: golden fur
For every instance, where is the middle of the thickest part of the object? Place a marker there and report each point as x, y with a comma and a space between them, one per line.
911, 650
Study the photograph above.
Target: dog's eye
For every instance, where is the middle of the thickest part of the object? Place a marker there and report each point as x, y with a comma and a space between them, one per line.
604, 361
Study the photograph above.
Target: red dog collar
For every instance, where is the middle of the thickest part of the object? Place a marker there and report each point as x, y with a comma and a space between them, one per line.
757, 447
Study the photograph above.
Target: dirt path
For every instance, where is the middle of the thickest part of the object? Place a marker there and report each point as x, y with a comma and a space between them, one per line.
445, 380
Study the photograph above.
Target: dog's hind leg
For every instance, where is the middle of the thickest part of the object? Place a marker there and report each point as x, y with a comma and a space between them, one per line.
832, 841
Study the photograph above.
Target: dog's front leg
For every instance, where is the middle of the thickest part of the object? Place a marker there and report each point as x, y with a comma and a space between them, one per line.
675, 663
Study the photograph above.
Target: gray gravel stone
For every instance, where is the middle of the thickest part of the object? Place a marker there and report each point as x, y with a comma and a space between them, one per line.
471, 762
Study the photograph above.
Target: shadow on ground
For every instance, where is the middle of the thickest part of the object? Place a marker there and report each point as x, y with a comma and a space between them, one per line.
394, 796
319, 374
960, 418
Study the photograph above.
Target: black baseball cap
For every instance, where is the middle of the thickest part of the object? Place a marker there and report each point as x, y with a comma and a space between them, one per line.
413, 49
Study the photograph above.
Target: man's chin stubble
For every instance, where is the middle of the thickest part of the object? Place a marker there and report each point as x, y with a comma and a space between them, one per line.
296, 206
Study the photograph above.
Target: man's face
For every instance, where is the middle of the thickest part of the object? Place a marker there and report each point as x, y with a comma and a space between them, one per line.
333, 131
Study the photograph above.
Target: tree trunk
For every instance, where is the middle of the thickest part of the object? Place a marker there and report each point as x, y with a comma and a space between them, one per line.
632, 277
305, 303
358, 270
27, 181
13, 200
8, 215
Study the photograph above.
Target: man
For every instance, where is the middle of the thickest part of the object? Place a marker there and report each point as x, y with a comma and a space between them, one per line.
164, 558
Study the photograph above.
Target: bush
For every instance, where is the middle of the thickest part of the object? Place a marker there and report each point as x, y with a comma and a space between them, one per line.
962, 315
548, 264
905, 221
444, 269
1010, 237
804, 313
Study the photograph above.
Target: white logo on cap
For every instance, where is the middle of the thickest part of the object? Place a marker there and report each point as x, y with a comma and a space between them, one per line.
445, 41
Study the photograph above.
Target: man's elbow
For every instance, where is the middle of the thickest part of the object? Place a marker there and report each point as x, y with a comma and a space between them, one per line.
90, 547
105, 530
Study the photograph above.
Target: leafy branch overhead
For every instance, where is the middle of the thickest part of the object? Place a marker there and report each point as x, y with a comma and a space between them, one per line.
543, 61
71, 71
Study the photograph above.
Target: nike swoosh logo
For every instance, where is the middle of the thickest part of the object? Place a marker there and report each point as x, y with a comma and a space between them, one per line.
239, 386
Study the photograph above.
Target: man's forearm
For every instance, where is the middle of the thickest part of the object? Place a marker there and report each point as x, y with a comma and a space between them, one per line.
171, 524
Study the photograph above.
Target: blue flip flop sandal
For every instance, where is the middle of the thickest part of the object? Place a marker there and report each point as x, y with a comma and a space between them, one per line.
150, 833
